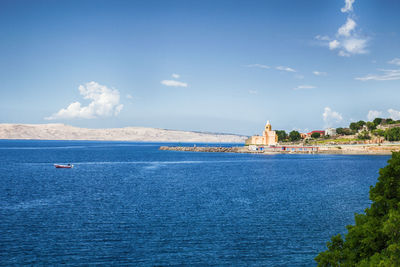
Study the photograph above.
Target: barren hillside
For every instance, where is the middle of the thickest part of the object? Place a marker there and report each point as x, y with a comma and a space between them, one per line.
67, 132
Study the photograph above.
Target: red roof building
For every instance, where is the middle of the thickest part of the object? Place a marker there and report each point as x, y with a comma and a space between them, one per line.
322, 133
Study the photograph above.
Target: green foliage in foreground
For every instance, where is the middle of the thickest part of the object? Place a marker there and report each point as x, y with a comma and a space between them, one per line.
374, 240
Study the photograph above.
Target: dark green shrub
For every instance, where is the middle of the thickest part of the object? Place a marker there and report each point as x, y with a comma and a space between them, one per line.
374, 240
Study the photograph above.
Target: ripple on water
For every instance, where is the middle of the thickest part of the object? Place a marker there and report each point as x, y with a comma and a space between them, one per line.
131, 204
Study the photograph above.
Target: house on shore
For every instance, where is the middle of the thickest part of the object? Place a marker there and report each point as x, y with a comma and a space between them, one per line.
322, 133
330, 131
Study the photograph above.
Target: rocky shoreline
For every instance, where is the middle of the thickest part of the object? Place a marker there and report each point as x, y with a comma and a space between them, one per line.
336, 150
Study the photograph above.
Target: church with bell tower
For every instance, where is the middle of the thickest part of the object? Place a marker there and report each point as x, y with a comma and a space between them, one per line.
268, 138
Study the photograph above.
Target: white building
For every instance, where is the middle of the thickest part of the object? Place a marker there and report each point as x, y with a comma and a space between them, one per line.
330, 131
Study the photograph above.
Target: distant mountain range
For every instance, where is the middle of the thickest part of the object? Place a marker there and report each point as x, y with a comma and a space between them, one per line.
58, 131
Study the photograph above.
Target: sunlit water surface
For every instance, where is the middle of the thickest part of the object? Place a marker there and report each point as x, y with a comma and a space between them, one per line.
129, 203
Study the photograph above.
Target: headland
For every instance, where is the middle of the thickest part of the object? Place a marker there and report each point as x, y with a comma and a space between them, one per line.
58, 131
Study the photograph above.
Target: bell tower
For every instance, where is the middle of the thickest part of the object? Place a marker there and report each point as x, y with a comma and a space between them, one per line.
268, 138
268, 127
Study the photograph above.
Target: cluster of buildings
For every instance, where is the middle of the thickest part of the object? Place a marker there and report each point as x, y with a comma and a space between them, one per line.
270, 138
328, 131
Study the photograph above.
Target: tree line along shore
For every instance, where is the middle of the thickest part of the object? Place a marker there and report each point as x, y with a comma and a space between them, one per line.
377, 137
371, 132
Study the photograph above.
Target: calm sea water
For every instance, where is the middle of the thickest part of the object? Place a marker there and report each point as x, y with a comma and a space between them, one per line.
129, 203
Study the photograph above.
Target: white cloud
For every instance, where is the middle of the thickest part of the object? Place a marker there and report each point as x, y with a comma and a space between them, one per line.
372, 114
283, 68
386, 75
334, 44
304, 87
343, 54
261, 66
319, 73
355, 46
253, 92
322, 37
104, 103
395, 61
394, 114
174, 83
348, 7
301, 130
331, 117
348, 41
349, 46
347, 28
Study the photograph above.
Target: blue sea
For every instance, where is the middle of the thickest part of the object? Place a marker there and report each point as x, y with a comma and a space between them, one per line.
128, 203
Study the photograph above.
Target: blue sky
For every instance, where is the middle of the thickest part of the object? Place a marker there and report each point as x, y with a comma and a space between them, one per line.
220, 66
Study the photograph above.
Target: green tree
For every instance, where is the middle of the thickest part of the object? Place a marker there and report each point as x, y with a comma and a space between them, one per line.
355, 126
282, 135
294, 136
361, 124
340, 131
379, 132
363, 135
344, 131
377, 121
374, 240
389, 121
371, 126
315, 135
392, 134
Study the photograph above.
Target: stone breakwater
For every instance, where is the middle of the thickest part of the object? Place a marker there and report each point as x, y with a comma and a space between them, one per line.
346, 150
231, 150
208, 149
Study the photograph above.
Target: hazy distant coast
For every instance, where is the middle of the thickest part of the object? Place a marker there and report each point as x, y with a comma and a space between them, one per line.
58, 131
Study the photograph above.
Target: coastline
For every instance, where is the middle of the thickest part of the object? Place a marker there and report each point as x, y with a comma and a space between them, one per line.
386, 149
